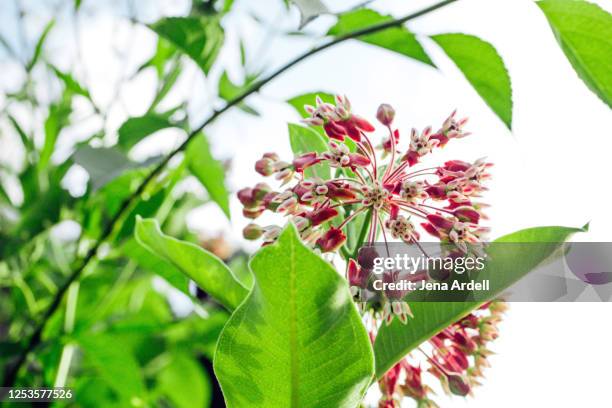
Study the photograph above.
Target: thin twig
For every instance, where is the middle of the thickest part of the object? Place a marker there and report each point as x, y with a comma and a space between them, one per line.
12, 371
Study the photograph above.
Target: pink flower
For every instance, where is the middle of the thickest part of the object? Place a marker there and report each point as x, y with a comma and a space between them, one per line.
304, 161
332, 240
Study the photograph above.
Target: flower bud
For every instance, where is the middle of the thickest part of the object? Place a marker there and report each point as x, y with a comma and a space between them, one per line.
301, 223
458, 385
385, 114
252, 213
260, 190
331, 240
246, 197
366, 257
264, 167
252, 231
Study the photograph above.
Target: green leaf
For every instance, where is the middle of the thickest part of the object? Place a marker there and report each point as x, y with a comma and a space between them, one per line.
397, 39
208, 271
304, 140
184, 382
309, 10
39, 45
208, 170
135, 129
25, 139
70, 83
200, 38
299, 101
103, 164
152, 262
166, 83
229, 91
297, 340
506, 266
584, 32
483, 68
55, 122
116, 365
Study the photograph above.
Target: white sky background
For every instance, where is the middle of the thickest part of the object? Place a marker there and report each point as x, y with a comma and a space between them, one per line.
553, 169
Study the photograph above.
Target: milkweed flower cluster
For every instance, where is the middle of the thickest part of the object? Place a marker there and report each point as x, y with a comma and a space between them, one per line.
400, 199
387, 193
457, 360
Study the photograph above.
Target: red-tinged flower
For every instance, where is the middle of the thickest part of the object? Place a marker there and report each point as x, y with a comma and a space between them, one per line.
306, 160
332, 240
431, 230
420, 145
320, 215
338, 190
413, 191
337, 121
437, 191
402, 228
441, 223
413, 384
411, 157
339, 155
357, 277
467, 214
389, 144
335, 131
358, 160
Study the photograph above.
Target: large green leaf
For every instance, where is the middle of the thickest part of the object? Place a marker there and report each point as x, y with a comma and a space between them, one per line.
116, 365
208, 271
152, 262
208, 170
135, 129
305, 140
483, 68
507, 265
397, 39
199, 37
184, 382
297, 340
584, 32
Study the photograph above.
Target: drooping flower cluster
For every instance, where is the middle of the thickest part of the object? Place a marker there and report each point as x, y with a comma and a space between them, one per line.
458, 358
386, 193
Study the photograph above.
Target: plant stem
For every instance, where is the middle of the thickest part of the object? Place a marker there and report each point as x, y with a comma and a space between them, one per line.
35, 339
364, 230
